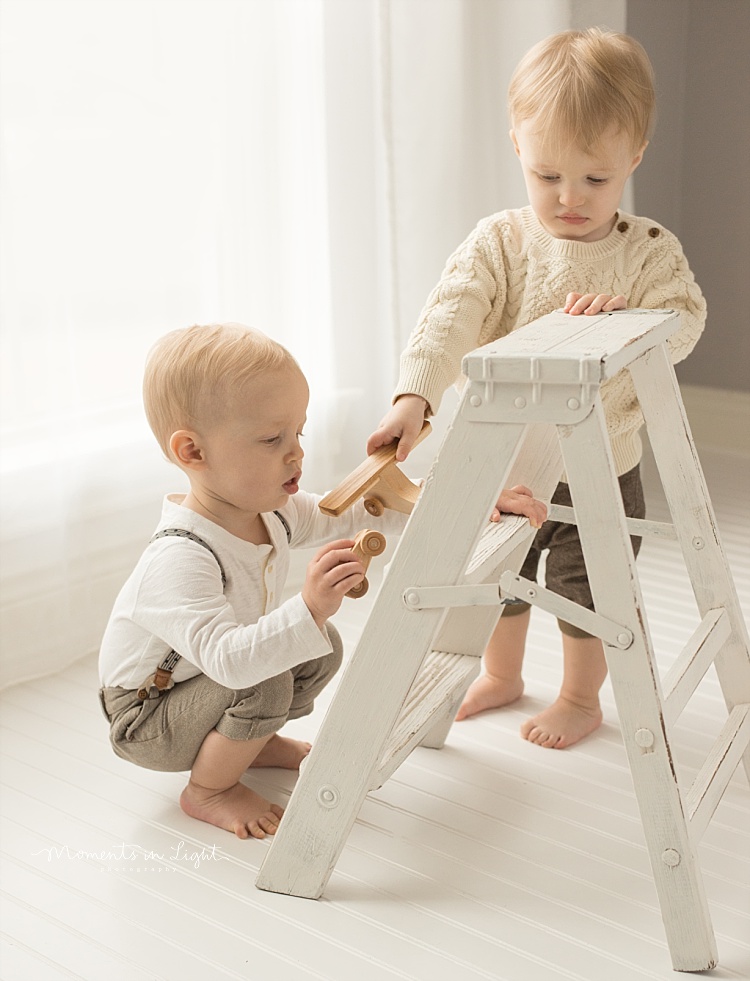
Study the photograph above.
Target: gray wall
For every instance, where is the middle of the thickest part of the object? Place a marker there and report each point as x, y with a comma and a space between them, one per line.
695, 177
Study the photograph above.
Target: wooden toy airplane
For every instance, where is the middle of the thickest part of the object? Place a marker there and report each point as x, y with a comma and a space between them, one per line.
379, 481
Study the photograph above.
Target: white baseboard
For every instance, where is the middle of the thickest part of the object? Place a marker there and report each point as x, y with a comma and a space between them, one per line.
719, 417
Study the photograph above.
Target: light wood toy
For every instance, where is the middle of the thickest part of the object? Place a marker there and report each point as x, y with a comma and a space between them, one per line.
379, 481
366, 544
532, 405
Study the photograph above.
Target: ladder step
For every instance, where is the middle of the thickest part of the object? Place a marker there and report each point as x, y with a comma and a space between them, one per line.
711, 782
696, 658
559, 348
498, 540
442, 677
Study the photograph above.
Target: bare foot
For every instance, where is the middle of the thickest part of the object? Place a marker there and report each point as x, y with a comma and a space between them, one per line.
284, 752
562, 724
238, 809
487, 693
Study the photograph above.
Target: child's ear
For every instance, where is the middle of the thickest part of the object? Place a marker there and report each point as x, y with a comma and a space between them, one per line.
638, 157
185, 449
514, 141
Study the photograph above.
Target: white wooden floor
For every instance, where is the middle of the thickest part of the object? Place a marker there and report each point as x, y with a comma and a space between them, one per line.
491, 859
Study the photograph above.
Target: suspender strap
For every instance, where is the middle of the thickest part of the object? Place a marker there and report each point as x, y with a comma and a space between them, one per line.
181, 533
285, 523
161, 679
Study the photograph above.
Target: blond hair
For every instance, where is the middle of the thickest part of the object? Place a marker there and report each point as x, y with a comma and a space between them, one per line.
578, 85
192, 373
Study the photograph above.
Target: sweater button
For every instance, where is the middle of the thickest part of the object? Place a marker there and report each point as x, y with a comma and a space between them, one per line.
654, 232
622, 226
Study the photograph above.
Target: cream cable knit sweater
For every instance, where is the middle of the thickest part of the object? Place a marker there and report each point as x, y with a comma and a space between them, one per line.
510, 271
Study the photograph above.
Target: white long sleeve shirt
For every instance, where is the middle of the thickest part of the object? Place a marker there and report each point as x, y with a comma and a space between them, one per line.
238, 635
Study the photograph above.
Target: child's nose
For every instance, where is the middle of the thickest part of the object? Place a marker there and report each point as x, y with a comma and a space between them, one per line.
570, 196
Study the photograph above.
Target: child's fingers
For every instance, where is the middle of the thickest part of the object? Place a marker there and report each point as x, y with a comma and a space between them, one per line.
522, 489
341, 544
405, 446
604, 303
345, 575
381, 437
582, 304
520, 500
592, 303
537, 514
336, 562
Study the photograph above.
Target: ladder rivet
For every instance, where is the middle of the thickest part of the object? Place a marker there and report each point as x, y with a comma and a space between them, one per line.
698, 543
475, 400
624, 639
520, 402
412, 598
328, 796
644, 738
670, 857
574, 404
531, 593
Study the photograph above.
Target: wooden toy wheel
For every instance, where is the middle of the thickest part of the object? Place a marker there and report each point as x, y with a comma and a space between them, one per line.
356, 592
374, 507
373, 543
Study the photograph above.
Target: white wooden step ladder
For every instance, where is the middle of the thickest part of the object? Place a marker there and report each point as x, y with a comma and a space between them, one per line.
532, 405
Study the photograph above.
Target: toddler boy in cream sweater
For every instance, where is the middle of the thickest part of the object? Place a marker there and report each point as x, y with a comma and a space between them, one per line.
581, 106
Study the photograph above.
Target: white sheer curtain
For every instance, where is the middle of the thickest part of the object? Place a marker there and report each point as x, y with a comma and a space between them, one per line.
304, 166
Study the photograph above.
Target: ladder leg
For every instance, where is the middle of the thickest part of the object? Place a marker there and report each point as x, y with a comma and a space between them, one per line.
614, 585
435, 548
692, 514
435, 738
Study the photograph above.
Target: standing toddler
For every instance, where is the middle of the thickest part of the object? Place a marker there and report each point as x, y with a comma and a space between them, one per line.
581, 107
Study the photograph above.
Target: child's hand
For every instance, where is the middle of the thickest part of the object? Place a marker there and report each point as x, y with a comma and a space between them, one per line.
403, 422
590, 303
520, 500
331, 573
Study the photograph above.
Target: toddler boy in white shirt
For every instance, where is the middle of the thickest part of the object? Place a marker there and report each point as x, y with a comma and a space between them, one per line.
228, 406
201, 663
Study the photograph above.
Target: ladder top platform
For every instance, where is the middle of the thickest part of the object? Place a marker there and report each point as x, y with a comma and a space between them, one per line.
561, 348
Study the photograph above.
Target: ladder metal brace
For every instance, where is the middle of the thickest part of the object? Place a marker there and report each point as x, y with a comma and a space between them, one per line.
418, 598
613, 634
436, 597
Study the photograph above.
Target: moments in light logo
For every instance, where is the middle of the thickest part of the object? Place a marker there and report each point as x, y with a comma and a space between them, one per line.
125, 857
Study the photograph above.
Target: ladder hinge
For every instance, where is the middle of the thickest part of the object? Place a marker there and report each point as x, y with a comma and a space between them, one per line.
537, 391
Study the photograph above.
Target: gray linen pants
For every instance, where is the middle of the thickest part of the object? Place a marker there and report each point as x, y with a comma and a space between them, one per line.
165, 733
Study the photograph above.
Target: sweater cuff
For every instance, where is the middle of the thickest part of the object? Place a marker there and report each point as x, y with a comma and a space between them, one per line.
420, 376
